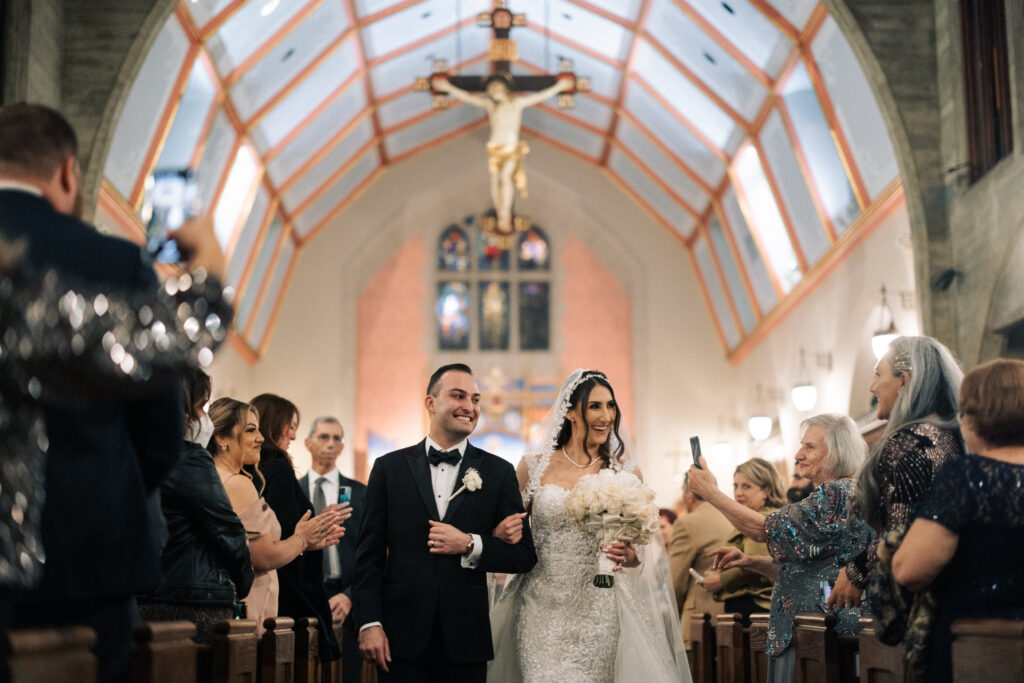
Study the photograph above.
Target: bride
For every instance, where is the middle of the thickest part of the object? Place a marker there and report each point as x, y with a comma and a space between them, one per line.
553, 624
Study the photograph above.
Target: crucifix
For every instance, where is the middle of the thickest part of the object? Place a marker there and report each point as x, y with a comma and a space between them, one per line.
505, 151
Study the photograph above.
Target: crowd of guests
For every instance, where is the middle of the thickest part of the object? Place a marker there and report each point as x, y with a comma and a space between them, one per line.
125, 494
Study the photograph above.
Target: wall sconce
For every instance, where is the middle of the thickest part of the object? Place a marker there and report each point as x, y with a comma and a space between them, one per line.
760, 427
883, 335
804, 393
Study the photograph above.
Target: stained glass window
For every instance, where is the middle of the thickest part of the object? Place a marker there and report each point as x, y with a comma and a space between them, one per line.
534, 308
501, 299
453, 250
534, 252
453, 301
494, 315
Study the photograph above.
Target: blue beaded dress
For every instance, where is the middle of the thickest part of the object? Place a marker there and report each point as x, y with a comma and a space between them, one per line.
982, 501
811, 540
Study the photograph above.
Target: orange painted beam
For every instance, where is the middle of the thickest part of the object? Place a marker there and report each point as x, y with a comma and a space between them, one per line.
724, 43
773, 15
127, 219
682, 120
371, 97
312, 116
420, 42
708, 91
187, 23
281, 94
334, 177
242, 348
717, 265
620, 98
324, 150
603, 13
748, 286
163, 127
385, 13
220, 18
270, 43
356, 192
787, 220
888, 202
660, 146
707, 302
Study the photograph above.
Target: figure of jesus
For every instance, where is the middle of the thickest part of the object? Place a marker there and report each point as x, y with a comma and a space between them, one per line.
505, 151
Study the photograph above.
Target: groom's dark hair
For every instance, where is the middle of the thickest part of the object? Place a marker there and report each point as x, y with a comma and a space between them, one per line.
434, 385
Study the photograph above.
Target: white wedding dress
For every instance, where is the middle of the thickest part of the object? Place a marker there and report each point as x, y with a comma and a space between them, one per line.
552, 624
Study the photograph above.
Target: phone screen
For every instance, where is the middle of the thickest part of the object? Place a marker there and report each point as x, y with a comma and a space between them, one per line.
344, 494
695, 449
826, 591
170, 200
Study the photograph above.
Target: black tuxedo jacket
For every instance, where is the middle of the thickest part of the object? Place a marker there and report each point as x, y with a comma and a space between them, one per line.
106, 456
348, 543
399, 583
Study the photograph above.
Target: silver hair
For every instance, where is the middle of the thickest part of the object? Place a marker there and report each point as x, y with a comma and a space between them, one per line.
324, 418
930, 395
845, 446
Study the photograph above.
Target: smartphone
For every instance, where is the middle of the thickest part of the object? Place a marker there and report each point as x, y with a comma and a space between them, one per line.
826, 591
695, 449
344, 494
170, 199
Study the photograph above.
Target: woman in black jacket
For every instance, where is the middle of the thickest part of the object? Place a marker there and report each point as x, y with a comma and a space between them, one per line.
301, 580
206, 564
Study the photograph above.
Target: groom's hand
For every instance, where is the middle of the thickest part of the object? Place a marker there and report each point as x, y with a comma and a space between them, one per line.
373, 645
444, 539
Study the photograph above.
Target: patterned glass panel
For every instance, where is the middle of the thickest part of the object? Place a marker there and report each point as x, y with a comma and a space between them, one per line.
453, 301
534, 250
193, 108
534, 309
453, 250
491, 255
494, 315
732, 275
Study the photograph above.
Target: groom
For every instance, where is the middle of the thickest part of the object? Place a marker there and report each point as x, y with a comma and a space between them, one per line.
420, 597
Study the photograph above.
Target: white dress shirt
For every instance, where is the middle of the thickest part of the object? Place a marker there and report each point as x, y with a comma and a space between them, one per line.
443, 483
21, 187
330, 488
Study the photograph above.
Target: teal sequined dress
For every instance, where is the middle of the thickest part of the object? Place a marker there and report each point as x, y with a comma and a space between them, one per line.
812, 540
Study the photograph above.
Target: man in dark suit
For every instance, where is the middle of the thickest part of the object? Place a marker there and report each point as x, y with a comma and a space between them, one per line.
420, 598
325, 484
105, 457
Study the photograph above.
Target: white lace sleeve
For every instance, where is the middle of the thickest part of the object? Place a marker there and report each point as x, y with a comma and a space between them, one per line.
536, 463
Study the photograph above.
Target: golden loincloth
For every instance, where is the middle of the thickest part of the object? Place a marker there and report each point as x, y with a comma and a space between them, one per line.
499, 155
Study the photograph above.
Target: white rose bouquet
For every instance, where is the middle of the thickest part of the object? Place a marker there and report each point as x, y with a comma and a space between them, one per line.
614, 506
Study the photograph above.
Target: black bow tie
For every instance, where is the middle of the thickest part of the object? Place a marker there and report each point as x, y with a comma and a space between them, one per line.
437, 457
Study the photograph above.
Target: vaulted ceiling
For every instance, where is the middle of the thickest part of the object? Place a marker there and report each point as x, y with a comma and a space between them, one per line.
746, 128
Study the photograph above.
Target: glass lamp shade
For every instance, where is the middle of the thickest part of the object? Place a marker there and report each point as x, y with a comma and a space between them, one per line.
880, 342
760, 427
804, 396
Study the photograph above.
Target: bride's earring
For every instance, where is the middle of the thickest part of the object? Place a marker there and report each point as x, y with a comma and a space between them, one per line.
223, 446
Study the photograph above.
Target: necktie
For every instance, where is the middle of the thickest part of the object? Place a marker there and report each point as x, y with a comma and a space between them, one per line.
332, 563
437, 457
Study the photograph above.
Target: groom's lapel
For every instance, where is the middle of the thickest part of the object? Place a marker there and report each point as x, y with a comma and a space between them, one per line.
471, 459
417, 459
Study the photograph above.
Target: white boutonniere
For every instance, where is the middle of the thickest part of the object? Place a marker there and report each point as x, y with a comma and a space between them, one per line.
471, 481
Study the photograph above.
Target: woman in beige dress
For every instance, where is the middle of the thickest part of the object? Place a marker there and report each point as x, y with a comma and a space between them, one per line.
236, 442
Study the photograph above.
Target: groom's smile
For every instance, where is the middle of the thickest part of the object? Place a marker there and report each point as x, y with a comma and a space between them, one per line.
455, 410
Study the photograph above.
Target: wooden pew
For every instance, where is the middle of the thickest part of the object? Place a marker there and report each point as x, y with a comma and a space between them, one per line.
51, 654
817, 648
702, 637
732, 642
879, 663
165, 652
307, 650
234, 657
989, 650
758, 641
277, 650
333, 673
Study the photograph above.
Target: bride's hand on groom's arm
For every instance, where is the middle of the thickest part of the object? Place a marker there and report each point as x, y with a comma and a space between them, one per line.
622, 554
373, 645
510, 529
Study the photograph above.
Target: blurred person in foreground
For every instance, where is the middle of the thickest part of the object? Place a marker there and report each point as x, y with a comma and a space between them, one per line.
758, 486
206, 564
966, 545
666, 518
106, 416
326, 484
808, 542
302, 580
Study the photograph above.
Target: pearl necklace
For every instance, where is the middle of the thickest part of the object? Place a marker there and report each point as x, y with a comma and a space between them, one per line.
582, 467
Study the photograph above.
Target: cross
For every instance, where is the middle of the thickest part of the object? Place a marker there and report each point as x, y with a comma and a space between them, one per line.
502, 53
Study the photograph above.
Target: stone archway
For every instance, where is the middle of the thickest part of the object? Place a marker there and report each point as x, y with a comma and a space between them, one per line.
897, 49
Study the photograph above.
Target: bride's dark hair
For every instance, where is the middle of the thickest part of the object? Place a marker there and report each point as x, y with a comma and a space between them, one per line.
580, 396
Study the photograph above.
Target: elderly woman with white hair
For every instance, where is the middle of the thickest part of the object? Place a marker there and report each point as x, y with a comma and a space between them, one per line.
808, 541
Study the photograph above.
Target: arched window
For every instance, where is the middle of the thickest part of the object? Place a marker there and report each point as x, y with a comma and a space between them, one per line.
492, 295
